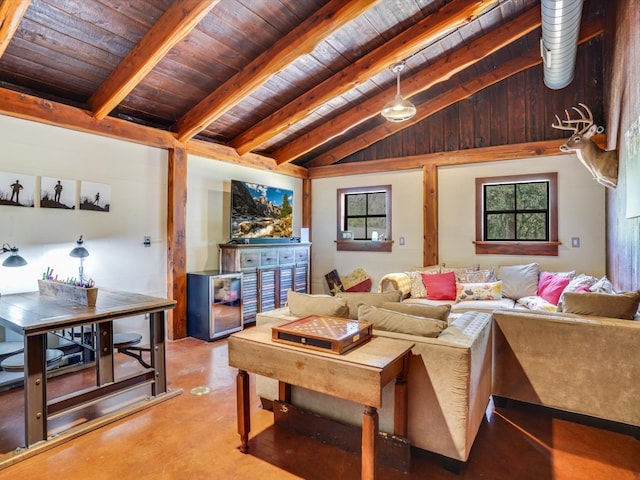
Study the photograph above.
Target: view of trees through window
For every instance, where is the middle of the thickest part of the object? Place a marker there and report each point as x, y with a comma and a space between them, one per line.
365, 213
516, 211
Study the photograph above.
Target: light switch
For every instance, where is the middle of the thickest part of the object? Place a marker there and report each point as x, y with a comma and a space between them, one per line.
401, 240
575, 242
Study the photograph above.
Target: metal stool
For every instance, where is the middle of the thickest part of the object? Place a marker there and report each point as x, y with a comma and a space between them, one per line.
10, 348
15, 363
126, 343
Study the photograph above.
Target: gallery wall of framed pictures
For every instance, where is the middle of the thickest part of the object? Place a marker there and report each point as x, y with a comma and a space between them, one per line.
22, 190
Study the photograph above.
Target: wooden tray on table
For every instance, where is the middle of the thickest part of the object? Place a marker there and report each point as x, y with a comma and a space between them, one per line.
328, 334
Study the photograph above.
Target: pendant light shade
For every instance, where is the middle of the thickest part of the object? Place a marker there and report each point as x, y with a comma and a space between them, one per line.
398, 109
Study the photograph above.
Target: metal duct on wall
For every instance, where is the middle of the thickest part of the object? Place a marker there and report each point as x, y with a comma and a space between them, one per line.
559, 43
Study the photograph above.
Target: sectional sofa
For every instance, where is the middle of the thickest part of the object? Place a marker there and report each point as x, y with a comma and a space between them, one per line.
584, 360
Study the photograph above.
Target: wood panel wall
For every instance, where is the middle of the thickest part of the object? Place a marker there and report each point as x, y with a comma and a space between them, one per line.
622, 99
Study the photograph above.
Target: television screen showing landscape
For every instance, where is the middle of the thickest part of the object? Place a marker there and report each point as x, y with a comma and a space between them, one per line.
259, 211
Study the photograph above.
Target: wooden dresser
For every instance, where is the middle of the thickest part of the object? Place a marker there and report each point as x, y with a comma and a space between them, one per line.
269, 271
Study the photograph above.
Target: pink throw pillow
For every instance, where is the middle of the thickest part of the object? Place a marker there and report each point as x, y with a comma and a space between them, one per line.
551, 286
440, 286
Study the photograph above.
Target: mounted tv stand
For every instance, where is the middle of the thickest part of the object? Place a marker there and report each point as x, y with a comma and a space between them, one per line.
269, 271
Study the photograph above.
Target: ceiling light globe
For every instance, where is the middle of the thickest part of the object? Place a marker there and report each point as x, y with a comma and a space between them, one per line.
398, 110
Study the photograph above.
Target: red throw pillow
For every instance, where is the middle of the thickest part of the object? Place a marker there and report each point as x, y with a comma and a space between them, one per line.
551, 286
363, 286
440, 286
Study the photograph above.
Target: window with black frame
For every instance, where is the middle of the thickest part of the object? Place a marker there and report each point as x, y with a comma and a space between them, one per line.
364, 218
517, 215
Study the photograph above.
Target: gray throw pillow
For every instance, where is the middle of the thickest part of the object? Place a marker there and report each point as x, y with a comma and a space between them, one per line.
439, 312
519, 280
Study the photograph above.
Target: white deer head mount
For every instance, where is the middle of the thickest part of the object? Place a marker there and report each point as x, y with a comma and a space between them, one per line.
602, 164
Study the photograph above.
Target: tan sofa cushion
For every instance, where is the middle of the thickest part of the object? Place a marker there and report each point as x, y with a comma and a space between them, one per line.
439, 312
391, 321
355, 299
302, 304
623, 305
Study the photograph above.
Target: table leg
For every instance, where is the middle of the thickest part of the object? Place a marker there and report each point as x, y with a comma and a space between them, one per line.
104, 353
401, 400
244, 417
157, 350
369, 443
35, 389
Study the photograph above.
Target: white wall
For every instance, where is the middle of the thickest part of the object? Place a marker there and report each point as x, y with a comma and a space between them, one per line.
581, 213
208, 205
581, 206
406, 213
137, 176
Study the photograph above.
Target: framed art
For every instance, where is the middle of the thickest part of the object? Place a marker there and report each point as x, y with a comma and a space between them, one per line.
57, 193
631, 157
95, 196
17, 189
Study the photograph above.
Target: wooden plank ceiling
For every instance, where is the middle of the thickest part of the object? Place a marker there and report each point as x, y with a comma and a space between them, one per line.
301, 82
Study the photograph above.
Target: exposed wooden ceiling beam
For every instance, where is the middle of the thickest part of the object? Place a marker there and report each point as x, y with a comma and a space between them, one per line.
451, 16
439, 71
11, 13
179, 19
530, 59
458, 157
302, 40
28, 107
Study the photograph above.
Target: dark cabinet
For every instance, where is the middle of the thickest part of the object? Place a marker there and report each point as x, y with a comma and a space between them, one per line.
214, 304
269, 271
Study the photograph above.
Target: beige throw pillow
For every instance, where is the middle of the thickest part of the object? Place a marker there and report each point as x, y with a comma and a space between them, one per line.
355, 299
622, 305
302, 305
391, 321
440, 312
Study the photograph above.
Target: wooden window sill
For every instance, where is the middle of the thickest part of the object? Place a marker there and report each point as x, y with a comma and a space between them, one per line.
364, 245
517, 248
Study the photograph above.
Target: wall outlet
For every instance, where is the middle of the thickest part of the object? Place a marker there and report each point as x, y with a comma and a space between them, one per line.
146, 241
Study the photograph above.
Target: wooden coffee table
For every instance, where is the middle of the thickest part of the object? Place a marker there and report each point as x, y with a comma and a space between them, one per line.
358, 375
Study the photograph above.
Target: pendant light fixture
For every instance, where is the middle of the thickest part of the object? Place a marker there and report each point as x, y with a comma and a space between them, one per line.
398, 109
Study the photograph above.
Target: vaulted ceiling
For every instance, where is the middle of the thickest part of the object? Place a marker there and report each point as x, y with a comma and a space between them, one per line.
301, 82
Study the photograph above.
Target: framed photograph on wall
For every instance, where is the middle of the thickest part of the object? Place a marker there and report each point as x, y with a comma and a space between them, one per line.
17, 189
95, 196
58, 193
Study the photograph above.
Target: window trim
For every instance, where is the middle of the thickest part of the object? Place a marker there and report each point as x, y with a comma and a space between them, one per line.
363, 245
548, 248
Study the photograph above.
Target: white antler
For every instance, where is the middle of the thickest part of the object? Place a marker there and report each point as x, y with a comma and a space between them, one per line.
574, 125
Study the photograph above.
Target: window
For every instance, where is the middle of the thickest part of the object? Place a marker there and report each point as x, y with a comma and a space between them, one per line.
517, 215
364, 218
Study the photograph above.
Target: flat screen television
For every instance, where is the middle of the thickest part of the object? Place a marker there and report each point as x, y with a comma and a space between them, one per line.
260, 212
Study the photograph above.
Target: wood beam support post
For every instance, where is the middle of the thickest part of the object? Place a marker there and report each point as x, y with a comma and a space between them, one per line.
176, 242
430, 221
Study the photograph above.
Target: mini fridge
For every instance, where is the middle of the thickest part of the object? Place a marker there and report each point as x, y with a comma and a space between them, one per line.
214, 304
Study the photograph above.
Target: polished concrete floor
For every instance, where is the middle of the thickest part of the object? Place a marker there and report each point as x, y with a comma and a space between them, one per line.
194, 437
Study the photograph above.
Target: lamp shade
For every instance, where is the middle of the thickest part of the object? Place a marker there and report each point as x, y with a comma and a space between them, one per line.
13, 260
79, 251
398, 109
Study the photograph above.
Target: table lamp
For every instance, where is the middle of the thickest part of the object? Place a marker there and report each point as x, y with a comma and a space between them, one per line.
13, 260
80, 252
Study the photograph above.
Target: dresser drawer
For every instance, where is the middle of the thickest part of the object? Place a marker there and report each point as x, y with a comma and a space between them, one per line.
249, 260
268, 258
302, 255
286, 256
